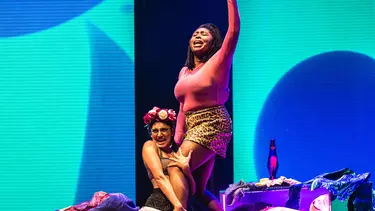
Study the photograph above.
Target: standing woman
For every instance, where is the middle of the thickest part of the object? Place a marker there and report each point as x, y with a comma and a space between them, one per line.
203, 123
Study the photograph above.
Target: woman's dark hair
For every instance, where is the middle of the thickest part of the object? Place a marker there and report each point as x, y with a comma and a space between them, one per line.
171, 124
216, 45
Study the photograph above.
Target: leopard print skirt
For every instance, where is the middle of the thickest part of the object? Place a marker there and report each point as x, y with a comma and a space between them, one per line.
210, 127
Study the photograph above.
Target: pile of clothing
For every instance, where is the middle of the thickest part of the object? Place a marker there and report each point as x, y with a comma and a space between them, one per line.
236, 191
102, 201
343, 185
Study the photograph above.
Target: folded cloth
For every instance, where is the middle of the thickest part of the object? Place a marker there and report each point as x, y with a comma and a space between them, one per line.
344, 184
116, 202
258, 206
278, 209
294, 198
237, 190
98, 198
102, 201
148, 209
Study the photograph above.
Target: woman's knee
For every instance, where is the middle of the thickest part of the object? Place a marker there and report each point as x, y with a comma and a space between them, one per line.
177, 178
174, 171
200, 154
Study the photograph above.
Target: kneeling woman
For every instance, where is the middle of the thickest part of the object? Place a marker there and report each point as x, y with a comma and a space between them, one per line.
160, 153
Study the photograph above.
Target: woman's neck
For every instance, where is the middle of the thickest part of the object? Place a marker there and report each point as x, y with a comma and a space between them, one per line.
167, 150
197, 61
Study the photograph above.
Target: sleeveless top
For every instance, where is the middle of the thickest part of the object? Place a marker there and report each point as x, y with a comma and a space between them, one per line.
164, 164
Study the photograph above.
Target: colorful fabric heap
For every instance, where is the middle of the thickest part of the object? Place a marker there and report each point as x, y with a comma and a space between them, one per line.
343, 185
102, 201
237, 190
346, 184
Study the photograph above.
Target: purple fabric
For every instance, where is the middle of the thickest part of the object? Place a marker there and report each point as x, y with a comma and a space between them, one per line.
116, 202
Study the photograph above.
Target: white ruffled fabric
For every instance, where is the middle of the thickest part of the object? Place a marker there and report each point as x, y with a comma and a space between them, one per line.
148, 209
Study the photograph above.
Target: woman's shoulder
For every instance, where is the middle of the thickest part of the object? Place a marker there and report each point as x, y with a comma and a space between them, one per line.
182, 71
149, 143
150, 146
184, 68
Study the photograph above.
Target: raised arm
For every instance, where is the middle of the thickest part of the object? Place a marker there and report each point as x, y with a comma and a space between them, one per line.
231, 38
152, 161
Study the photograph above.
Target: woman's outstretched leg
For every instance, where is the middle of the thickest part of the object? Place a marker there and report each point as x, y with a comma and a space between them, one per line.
201, 164
201, 176
180, 185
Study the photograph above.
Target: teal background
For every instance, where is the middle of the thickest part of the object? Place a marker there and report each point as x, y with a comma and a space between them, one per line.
67, 100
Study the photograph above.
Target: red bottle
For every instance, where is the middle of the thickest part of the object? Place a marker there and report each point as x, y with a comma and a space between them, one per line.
273, 161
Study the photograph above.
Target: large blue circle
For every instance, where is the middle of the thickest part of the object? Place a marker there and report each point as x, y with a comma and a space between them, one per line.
24, 17
321, 114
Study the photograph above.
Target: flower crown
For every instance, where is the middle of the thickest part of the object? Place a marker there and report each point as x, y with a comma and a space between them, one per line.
159, 115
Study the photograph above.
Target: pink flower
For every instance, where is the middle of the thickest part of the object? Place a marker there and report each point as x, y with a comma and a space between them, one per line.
158, 114
152, 112
147, 119
157, 109
163, 114
171, 115
171, 112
